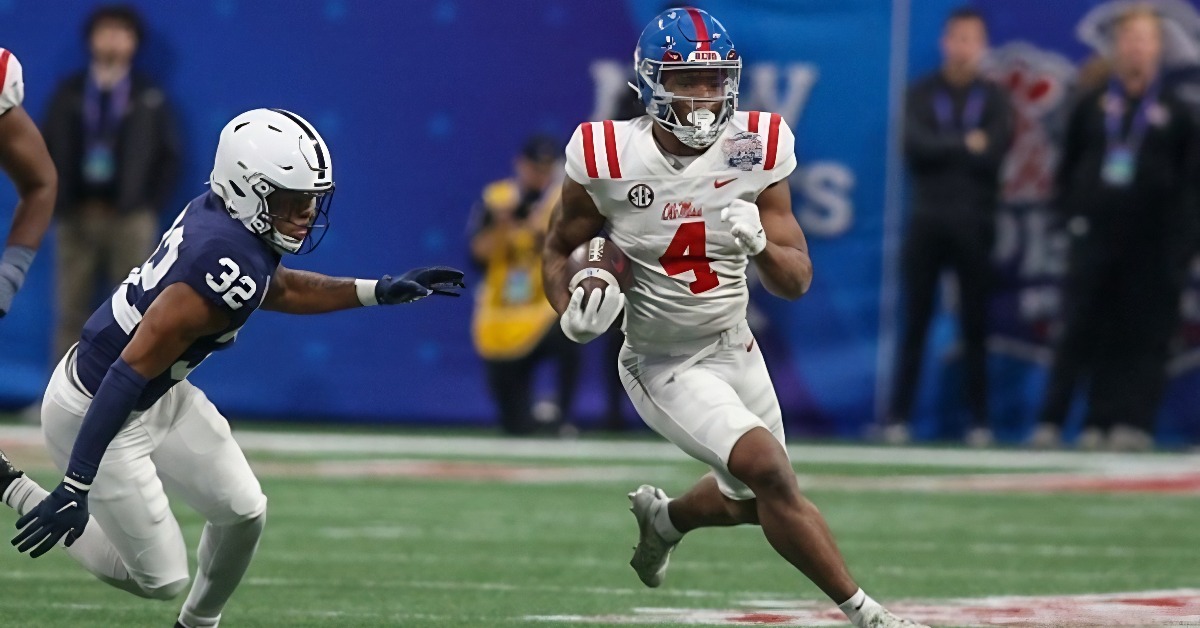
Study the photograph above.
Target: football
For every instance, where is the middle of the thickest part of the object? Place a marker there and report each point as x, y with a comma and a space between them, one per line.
596, 264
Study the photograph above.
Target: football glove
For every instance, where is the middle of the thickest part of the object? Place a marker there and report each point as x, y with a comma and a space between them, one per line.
419, 283
582, 323
745, 226
63, 513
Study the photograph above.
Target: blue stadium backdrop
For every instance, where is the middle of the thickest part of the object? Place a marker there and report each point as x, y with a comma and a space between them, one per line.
424, 102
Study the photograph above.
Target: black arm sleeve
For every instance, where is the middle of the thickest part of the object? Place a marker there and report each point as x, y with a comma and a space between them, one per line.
924, 143
1072, 150
169, 154
1000, 127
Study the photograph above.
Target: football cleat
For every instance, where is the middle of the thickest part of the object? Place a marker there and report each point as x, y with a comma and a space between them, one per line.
8, 473
652, 553
884, 619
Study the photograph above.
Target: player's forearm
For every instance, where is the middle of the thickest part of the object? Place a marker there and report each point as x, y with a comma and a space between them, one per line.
31, 217
554, 267
314, 293
786, 272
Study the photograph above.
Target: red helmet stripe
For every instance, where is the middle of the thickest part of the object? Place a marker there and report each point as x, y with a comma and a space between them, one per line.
610, 146
4, 67
772, 142
753, 124
589, 150
701, 30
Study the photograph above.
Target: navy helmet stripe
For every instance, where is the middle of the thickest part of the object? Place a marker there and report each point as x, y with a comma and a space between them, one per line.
312, 135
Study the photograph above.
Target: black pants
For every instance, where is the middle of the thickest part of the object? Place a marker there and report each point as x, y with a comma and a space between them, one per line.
963, 243
511, 381
1122, 307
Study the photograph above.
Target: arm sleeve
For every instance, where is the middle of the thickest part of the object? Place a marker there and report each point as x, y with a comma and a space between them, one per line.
785, 157
1071, 151
114, 401
923, 143
169, 153
1000, 127
12, 91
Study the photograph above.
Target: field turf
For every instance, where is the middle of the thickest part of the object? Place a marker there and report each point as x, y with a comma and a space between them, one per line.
392, 529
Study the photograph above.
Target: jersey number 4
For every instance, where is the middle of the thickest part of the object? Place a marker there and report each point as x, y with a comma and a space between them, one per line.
686, 252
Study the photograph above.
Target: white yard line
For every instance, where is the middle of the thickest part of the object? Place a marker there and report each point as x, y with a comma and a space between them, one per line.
300, 442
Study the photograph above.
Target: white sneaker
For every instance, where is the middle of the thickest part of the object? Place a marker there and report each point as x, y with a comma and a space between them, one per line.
652, 553
1046, 436
884, 619
1090, 439
980, 437
896, 434
1126, 438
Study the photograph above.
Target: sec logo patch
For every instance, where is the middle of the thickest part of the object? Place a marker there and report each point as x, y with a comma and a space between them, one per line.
641, 196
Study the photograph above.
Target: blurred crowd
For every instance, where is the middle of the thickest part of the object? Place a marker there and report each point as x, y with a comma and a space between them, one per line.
1126, 195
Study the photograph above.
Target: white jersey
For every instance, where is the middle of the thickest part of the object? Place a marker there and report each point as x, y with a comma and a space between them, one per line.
12, 81
689, 276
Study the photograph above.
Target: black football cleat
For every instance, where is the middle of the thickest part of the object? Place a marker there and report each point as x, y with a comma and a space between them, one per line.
8, 473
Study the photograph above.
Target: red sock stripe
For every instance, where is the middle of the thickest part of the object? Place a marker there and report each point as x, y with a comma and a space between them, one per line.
753, 122
4, 68
610, 146
772, 142
589, 150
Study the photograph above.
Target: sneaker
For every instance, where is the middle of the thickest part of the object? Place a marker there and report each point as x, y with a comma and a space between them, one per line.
980, 438
896, 434
1126, 438
1046, 436
652, 553
1090, 439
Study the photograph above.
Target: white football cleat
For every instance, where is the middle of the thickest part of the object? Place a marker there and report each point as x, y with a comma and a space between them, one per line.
652, 553
884, 619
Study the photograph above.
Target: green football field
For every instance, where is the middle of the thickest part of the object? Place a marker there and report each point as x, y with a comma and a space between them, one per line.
395, 529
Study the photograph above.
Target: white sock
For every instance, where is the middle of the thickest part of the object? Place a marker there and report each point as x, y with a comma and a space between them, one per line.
663, 525
92, 549
860, 608
225, 553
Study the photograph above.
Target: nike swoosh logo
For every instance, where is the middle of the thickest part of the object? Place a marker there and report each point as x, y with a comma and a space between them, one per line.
860, 605
750, 346
721, 184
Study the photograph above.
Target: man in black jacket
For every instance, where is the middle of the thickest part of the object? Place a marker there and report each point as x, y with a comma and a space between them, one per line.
957, 130
1125, 187
114, 142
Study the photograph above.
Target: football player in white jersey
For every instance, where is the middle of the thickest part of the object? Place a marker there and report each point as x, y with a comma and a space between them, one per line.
24, 157
691, 192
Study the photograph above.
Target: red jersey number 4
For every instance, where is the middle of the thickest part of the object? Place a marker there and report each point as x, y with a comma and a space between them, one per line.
686, 252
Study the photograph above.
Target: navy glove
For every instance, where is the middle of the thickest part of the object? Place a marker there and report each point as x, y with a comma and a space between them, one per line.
63, 513
419, 283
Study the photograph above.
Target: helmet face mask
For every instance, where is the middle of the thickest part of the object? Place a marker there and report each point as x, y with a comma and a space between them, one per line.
688, 74
275, 175
298, 220
696, 103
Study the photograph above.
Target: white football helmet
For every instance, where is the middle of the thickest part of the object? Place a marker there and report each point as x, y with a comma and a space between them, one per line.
265, 150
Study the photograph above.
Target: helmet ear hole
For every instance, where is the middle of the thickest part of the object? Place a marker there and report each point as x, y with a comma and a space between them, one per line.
263, 188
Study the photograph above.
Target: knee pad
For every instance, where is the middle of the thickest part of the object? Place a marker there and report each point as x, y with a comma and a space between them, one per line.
168, 591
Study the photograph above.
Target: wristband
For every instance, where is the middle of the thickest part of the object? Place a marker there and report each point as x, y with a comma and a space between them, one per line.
366, 291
